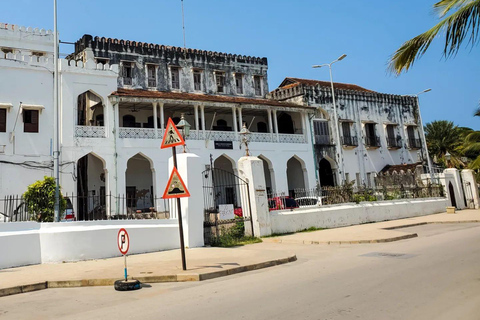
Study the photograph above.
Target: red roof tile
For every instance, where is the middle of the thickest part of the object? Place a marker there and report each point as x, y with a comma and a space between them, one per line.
290, 82
200, 97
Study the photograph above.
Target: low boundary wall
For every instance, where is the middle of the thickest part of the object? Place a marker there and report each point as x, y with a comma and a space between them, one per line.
25, 243
352, 214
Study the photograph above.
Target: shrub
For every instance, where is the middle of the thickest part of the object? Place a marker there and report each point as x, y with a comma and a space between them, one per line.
40, 200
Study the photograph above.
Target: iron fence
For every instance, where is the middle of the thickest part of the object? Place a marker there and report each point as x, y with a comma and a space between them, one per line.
92, 207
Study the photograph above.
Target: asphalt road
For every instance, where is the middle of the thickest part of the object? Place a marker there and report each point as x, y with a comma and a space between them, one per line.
434, 276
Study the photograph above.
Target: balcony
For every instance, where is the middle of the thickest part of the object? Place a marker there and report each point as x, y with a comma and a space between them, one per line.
372, 142
393, 143
291, 138
414, 143
349, 141
90, 131
138, 133
323, 140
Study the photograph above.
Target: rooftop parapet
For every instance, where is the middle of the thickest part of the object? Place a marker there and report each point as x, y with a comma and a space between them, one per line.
102, 45
25, 38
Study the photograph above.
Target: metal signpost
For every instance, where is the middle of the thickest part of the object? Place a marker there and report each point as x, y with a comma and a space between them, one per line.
123, 241
175, 187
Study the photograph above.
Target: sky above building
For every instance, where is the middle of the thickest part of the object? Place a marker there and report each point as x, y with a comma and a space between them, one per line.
293, 35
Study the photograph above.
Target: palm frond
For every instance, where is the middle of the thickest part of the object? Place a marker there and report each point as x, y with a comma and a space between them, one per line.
445, 6
456, 26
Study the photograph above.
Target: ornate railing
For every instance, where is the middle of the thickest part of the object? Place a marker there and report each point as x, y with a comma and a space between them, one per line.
349, 141
220, 135
193, 135
261, 137
323, 140
90, 131
291, 138
136, 133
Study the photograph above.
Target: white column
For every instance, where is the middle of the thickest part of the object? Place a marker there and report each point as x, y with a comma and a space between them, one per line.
116, 120
155, 124
270, 125
275, 124
453, 175
304, 127
240, 117
251, 170
162, 116
471, 189
234, 114
195, 111
202, 109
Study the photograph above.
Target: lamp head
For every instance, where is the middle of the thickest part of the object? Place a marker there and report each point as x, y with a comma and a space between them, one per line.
342, 57
184, 125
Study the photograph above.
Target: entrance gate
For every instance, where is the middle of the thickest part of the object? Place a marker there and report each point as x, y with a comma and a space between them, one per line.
226, 202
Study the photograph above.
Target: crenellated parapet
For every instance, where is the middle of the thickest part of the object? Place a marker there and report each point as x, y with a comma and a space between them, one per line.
13, 28
102, 46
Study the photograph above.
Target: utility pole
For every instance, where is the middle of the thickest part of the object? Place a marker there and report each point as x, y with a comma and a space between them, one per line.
56, 116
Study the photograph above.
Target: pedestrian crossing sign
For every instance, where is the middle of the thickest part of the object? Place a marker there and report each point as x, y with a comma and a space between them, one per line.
171, 136
175, 187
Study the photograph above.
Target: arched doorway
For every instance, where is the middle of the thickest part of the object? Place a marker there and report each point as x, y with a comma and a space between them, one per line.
89, 109
91, 177
326, 173
269, 174
295, 176
224, 185
451, 192
285, 123
139, 191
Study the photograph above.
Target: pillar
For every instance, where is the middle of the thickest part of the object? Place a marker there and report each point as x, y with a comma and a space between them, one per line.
202, 112
155, 124
195, 112
162, 117
250, 169
275, 124
453, 175
188, 166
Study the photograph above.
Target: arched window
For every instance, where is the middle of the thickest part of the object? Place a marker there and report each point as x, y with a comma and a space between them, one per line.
285, 123
261, 126
129, 121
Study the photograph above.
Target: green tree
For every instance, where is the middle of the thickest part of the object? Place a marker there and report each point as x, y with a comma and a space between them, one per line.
459, 19
40, 200
443, 136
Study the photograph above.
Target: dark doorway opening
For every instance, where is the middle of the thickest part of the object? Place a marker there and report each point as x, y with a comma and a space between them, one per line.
326, 173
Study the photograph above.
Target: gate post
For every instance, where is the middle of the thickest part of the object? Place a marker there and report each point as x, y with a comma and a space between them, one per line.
452, 175
469, 181
189, 165
251, 170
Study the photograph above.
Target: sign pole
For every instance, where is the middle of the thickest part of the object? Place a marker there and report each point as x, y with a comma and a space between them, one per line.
125, 264
180, 221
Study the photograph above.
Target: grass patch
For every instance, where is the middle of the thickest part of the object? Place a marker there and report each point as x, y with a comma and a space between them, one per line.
227, 241
311, 229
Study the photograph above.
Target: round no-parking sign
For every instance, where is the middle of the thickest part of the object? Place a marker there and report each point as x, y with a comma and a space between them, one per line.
123, 241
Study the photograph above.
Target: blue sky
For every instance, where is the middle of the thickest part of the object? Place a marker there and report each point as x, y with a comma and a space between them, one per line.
293, 35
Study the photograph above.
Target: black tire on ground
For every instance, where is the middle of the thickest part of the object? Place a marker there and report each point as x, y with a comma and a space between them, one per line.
122, 285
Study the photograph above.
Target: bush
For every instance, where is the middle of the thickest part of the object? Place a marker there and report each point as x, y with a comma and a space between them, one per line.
40, 200
235, 236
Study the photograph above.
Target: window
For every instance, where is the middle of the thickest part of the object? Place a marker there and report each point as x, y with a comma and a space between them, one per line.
3, 120
175, 77
152, 76
197, 80
30, 120
370, 137
413, 142
127, 73
257, 85
220, 81
322, 134
129, 121
391, 140
347, 138
239, 83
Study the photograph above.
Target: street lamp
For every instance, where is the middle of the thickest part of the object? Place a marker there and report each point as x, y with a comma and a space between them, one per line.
245, 133
185, 126
424, 140
337, 131
448, 156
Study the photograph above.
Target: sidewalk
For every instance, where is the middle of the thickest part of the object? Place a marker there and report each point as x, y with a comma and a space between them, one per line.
207, 263
375, 232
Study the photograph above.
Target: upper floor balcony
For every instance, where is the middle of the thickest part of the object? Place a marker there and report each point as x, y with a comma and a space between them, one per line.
414, 143
372, 141
349, 141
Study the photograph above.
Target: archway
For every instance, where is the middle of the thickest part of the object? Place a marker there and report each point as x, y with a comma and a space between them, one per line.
89, 109
139, 177
295, 176
326, 173
91, 192
269, 174
451, 192
224, 182
285, 123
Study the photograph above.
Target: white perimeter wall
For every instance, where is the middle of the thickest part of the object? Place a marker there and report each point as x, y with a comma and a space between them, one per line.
25, 243
353, 214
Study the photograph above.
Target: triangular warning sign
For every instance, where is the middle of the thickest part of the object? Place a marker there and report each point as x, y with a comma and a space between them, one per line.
171, 137
175, 187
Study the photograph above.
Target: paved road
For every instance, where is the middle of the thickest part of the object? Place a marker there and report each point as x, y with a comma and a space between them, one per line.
434, 276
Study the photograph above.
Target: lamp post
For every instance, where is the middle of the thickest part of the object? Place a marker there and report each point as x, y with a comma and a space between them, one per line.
185, 126
448, 156
337, 131
245, 133
56, 118
422, 131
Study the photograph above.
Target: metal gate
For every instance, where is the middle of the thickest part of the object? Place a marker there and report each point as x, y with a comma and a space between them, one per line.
226, 202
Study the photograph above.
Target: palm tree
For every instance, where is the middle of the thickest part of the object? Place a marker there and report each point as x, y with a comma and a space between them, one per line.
459, 19
443, 136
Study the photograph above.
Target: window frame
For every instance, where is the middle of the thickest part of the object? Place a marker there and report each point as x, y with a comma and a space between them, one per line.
175, 84
32, 126
239, 78
260, 89
127, 78
197, 72
149, 66
3, 124
220, 75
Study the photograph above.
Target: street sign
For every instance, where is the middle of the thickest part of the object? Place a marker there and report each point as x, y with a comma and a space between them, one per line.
175, 187
171, 137
123, 241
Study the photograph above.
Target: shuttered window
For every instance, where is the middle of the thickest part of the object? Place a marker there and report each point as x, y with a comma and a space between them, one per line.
30, 120
3, 120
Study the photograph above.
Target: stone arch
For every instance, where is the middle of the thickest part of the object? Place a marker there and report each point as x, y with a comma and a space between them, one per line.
90, 105
296, 175
269, 173
226, 163
92, 183
285, 123
140, 184
326, 173
321, 113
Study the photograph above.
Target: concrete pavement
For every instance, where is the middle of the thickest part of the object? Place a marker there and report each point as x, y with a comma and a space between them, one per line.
207, 263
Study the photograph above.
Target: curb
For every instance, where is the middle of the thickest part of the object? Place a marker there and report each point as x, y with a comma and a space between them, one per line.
148, 279
407, 236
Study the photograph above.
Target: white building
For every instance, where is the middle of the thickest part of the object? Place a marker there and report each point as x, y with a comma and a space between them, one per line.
116, 97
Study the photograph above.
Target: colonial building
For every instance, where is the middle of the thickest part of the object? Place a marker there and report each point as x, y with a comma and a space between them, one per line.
373, 129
